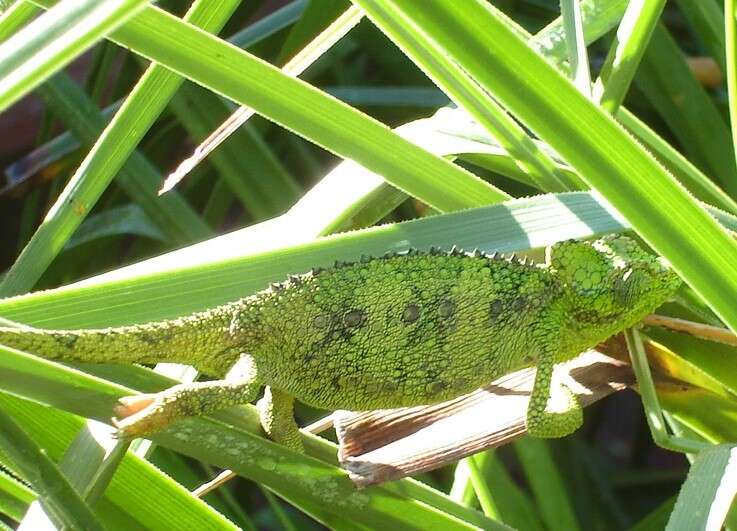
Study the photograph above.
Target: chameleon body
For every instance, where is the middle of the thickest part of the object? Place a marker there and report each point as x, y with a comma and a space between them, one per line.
401, 330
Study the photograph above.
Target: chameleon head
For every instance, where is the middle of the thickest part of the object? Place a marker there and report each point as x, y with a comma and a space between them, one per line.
612, 282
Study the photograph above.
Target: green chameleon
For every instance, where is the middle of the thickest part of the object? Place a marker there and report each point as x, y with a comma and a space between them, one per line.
401, 330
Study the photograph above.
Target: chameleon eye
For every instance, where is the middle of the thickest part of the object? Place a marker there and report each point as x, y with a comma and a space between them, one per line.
628, 287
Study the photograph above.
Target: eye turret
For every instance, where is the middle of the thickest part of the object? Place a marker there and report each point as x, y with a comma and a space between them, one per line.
630, 285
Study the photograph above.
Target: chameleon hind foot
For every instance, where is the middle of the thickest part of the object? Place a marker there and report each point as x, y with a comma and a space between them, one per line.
276, 410
137, 415
141, 415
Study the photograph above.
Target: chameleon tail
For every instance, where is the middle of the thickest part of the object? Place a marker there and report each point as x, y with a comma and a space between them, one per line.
194, 340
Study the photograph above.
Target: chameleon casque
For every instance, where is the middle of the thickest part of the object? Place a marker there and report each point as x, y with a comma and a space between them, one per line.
401, 330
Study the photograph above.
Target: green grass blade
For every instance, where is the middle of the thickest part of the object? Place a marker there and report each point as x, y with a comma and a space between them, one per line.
661, 211
245, 261
128, 219
717, 426
462, 490
138, 177
515, 507
465, 92
16, 17
91, 460
15, 497
111, 150
598, 17
730, 32
626, 52
51, 41
708, 492
688, 174
57, 496
303, 109
483, 493
668, 83
550, 491
578, 59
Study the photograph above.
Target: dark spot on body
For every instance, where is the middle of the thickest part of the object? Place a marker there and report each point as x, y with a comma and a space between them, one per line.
149, 339
586, 316
446, 308
354, 318
495, 309
435, 388
372, 388
519, 303
390, 387
67, 340
336, 382
321, 321
411, 313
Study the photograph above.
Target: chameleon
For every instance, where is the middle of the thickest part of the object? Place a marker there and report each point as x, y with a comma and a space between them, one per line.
405, 329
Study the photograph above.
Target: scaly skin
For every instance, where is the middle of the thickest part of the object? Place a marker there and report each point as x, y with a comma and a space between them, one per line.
401, 330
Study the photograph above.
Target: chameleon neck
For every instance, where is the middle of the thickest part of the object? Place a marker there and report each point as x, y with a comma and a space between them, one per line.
201, 339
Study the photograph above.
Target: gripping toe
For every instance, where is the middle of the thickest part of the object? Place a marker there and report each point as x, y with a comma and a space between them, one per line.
547, 424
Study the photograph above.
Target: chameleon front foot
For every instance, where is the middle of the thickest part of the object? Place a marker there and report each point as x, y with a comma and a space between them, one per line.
561, 421
547, 424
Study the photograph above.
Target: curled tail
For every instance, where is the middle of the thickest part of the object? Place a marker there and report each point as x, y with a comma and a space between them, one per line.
195, 340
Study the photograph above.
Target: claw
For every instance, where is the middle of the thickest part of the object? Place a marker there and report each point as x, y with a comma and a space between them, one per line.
130, 405
139, 415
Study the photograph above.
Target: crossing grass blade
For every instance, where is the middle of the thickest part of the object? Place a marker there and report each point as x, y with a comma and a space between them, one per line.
19, 14
51, 41
591, 142
666, 80
63, 504
299, 107
240, 263
108, 154
318, 487
624, 56
578, 59
708, 492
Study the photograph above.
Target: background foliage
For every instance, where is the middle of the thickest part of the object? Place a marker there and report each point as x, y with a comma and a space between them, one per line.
101, 99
